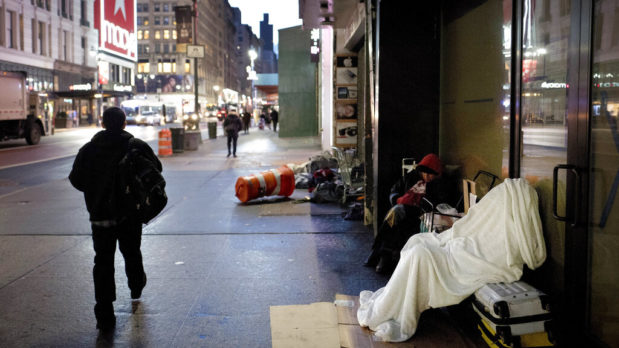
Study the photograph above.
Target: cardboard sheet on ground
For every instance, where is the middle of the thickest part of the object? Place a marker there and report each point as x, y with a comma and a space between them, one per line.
323, 324
304, 326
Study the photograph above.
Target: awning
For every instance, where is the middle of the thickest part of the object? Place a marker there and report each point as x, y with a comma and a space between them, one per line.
89, 94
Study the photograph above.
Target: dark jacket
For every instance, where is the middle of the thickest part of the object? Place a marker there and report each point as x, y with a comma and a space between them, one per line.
274, 116
232, 125
95, 167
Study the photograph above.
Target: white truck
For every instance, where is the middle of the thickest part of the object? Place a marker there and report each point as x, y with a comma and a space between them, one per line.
15, 122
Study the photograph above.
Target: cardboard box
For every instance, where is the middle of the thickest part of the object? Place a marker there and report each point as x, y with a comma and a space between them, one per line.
324, 325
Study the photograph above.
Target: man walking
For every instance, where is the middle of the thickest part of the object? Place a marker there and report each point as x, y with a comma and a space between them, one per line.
275, 119
94, 173
232, 127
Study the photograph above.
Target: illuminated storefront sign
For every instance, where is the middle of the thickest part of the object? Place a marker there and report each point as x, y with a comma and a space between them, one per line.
81, 87
553, 85
122, 88
115, 20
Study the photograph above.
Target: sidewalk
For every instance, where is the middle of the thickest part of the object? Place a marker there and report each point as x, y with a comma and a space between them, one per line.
214, 266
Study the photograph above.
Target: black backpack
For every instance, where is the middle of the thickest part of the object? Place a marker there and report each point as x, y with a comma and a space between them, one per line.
141, 186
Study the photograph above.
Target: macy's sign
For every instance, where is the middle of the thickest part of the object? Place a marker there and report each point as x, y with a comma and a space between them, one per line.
118, 37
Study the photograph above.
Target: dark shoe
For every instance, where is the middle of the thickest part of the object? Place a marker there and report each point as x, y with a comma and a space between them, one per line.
372, 259
228, 154
104, 313
234, 155
136, 293
384, 265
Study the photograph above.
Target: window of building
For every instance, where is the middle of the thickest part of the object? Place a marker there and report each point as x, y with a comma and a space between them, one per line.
173, 48
157, 34
126, 75
144, 67
140, 20
146, 21
166, 67
84, 50
166, 48
11, 29
146, 48
166, 34
166, 20
84, 13
174, 34
146, 34
41, 38
157, 48
140, 36
21, 32
65, 45
157, 20
64, 8
33, 24
157, 7
187, 66
166, 7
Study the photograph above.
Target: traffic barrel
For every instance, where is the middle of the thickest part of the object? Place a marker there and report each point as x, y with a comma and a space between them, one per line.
274, 182
165, 142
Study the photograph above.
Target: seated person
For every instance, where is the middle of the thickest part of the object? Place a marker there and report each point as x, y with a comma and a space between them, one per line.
402, 220
490, 244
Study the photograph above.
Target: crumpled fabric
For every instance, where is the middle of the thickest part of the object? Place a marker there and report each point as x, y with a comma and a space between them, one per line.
490, 244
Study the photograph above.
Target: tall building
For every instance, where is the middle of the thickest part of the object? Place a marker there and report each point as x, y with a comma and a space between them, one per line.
267, 55
55, 44
164, 71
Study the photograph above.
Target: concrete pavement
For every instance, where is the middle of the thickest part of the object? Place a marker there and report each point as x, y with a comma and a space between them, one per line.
214, 265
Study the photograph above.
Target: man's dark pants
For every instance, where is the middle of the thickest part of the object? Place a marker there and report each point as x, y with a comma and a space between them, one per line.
232, 138
129, 237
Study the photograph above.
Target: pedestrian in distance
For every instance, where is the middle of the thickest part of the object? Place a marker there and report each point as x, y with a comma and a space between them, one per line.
275, 119
246, 121
94, 173
263, 120
232, 127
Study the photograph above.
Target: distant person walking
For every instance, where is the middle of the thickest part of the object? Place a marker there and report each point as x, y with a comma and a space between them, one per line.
275, 119
232, 127
246, 121
93, 173
263, 119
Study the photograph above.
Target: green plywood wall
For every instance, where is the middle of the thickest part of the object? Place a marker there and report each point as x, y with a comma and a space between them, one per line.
298, 114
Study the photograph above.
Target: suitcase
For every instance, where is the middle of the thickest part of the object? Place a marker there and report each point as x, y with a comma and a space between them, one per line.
534, 340
513, 309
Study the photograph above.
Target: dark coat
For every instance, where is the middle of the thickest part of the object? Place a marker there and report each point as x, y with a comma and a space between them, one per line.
274, 116
232, 125
94, 171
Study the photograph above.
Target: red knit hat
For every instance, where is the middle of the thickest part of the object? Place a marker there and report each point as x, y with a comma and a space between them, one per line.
430, 163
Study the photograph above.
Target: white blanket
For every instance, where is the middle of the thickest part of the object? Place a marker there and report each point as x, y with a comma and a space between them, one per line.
490, 244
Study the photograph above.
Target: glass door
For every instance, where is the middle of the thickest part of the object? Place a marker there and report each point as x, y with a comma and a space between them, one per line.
603, 228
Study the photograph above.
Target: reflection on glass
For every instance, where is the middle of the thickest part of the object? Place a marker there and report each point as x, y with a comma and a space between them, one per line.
544, 87
604, 175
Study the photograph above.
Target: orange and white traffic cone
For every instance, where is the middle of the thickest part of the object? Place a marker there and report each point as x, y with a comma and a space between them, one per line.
274, 182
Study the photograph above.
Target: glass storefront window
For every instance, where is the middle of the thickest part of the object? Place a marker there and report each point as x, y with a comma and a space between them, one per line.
475, 87
544, 89
604, 175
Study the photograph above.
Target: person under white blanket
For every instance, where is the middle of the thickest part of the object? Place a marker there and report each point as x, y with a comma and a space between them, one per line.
490, 244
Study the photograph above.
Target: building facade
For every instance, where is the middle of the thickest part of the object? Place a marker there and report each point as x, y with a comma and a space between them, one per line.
165, 73
55, 43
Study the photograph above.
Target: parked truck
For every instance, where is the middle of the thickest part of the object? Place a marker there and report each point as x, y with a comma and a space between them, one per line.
15, 121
